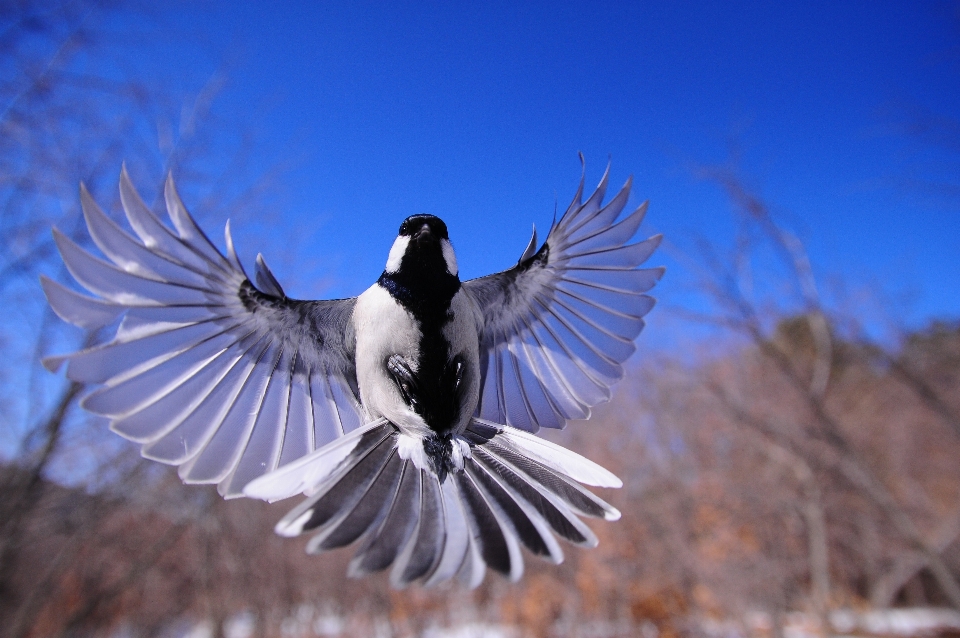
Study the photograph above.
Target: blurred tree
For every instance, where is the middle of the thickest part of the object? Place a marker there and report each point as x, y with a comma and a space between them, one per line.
71, 110
845, 417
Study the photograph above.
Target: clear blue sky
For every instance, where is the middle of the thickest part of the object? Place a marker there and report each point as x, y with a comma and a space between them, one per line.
476, 113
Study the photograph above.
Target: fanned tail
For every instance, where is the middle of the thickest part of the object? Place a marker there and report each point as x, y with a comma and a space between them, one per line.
376, 486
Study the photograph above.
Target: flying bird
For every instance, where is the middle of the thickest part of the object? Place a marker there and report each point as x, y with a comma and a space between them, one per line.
406, 415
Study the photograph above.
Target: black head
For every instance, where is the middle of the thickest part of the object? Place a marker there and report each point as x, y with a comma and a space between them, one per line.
422, 245
416, 225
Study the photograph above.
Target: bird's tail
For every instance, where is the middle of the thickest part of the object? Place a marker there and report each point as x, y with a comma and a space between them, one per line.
441, 508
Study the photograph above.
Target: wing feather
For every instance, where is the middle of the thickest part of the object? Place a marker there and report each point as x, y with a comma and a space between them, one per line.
298, 438
155, 235
80, 310
190, 233
135, 392
571, 372
611, 236
592, 360
206, 371
120, 286
556, 385
537, 402
261, 454
579, 298
129, 254
213, 388
217, 441
516, 406
327, 425
120, 358
578, 215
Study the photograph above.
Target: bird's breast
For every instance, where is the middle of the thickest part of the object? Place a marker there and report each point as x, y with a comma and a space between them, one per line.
439, 352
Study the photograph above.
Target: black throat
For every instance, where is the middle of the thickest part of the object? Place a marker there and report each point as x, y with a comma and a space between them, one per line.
423, 287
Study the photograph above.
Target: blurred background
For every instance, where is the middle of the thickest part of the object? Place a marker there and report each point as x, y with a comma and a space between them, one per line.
788, 432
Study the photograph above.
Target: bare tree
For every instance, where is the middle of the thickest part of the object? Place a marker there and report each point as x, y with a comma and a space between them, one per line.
70, 114
800, 389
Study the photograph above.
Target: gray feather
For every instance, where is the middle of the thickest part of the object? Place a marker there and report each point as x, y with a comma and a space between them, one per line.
557, 326
381, 548
265, 279
194, 331
423, 549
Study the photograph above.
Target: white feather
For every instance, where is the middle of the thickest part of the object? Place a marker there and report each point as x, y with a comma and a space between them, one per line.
397, 251
448, 256
561, 459
410, 448
306, 473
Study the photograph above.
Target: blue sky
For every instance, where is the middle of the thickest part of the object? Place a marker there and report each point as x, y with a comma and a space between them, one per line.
476, 113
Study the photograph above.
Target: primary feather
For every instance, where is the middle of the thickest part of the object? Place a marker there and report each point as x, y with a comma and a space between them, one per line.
405, 416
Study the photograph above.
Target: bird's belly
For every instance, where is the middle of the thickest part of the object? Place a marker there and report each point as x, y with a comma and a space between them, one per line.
385, 328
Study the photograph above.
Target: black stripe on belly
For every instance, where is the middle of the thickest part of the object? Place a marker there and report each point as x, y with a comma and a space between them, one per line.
432, 391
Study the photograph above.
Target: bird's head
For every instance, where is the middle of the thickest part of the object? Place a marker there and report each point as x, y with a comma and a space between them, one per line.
422, 245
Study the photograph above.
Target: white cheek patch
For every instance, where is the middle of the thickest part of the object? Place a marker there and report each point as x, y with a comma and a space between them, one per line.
397, 251
448, 256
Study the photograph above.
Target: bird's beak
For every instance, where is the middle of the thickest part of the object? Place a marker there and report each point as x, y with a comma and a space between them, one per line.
424, 235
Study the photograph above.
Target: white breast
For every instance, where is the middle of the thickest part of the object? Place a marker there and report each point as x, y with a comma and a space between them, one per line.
383, 327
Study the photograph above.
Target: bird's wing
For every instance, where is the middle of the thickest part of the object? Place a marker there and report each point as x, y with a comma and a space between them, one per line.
557, 326
207, 371
375, 486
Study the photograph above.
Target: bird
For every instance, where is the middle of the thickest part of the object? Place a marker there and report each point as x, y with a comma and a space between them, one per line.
407, 416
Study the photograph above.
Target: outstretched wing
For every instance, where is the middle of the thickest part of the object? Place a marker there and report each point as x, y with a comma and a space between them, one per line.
559, 324
207, 371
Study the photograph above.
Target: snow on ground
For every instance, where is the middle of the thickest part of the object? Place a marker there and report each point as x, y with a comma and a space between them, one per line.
887, 623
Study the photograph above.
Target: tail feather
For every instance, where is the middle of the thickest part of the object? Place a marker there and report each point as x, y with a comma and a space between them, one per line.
473, 568
497, 546
541, 514
504, 491
370, 509
582, 501
524, 525
308, 474
338, 494
456, 531
557, 458
337, 503
423, 549
380, 549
